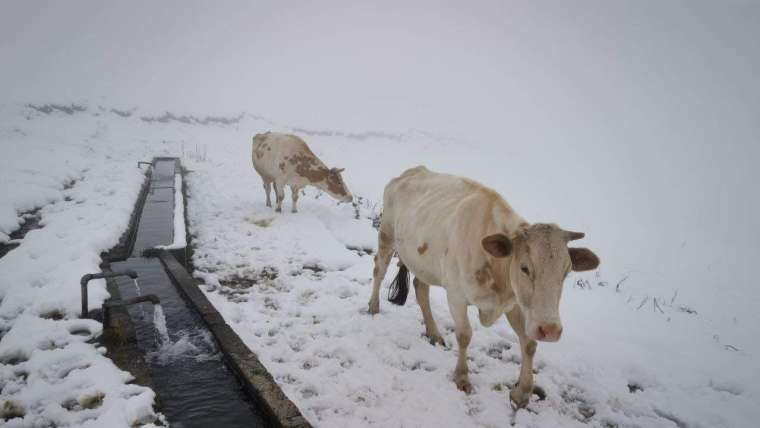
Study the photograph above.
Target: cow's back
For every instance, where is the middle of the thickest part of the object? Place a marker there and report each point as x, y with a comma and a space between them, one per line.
420, 196
438, 220
274, 155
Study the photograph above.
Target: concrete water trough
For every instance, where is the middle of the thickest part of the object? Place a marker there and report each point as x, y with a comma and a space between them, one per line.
202, 372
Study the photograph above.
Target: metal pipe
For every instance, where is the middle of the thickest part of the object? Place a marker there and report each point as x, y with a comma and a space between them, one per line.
90, 276
113, 303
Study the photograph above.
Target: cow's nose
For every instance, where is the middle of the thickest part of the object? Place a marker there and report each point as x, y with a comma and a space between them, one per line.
549, 332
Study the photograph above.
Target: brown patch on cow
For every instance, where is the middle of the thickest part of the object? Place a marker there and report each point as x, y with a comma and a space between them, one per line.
530, 348
282, 166
422, 248
335, 183
308, 167
259, 150
385, 239
483, 275
375, 271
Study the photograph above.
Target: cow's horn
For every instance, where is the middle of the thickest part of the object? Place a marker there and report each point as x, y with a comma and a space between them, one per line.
573, 236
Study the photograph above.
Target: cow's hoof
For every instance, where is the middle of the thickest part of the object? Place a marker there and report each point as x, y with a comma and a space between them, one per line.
518, 399
374, 307
463, 384
436, 339
279, 210
269, 204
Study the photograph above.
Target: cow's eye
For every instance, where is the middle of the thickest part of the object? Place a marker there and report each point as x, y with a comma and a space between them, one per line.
525, 270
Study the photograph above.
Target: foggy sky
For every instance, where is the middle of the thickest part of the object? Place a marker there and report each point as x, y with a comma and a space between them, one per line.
651, 109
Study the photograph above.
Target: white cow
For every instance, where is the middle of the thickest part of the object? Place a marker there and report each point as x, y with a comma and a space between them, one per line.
456, 233
286, 160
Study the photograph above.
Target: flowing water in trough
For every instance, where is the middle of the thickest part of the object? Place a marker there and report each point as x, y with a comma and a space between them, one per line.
159, 322
194, 386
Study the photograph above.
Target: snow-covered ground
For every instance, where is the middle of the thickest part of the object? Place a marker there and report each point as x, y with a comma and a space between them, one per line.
296, 291
640, 348
84, 188
634, 122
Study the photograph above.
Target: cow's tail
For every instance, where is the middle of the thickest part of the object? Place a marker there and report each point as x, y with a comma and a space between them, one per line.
399, 288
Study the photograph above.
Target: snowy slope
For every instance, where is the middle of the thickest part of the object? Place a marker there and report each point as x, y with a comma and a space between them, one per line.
623, 361
85, 191
634, 122
301, 286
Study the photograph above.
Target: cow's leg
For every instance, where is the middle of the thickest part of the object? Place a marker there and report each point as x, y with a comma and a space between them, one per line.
294, 194
422, 291
458, 308
279, 191
520, 394
382, 259
268, 190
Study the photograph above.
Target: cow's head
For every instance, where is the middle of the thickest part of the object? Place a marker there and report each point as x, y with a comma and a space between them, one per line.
336, 187
540, 261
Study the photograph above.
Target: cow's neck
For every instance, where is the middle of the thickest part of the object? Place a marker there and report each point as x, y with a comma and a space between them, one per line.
502, 299
504, 218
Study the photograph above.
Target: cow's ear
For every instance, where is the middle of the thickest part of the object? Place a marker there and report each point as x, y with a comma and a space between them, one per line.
497, 245
583, 259
338, 170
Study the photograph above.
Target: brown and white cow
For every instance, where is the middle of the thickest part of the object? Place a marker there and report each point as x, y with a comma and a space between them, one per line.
286, 160
456, 233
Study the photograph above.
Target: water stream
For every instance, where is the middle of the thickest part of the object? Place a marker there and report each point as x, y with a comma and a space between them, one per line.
139, 293
159, 322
